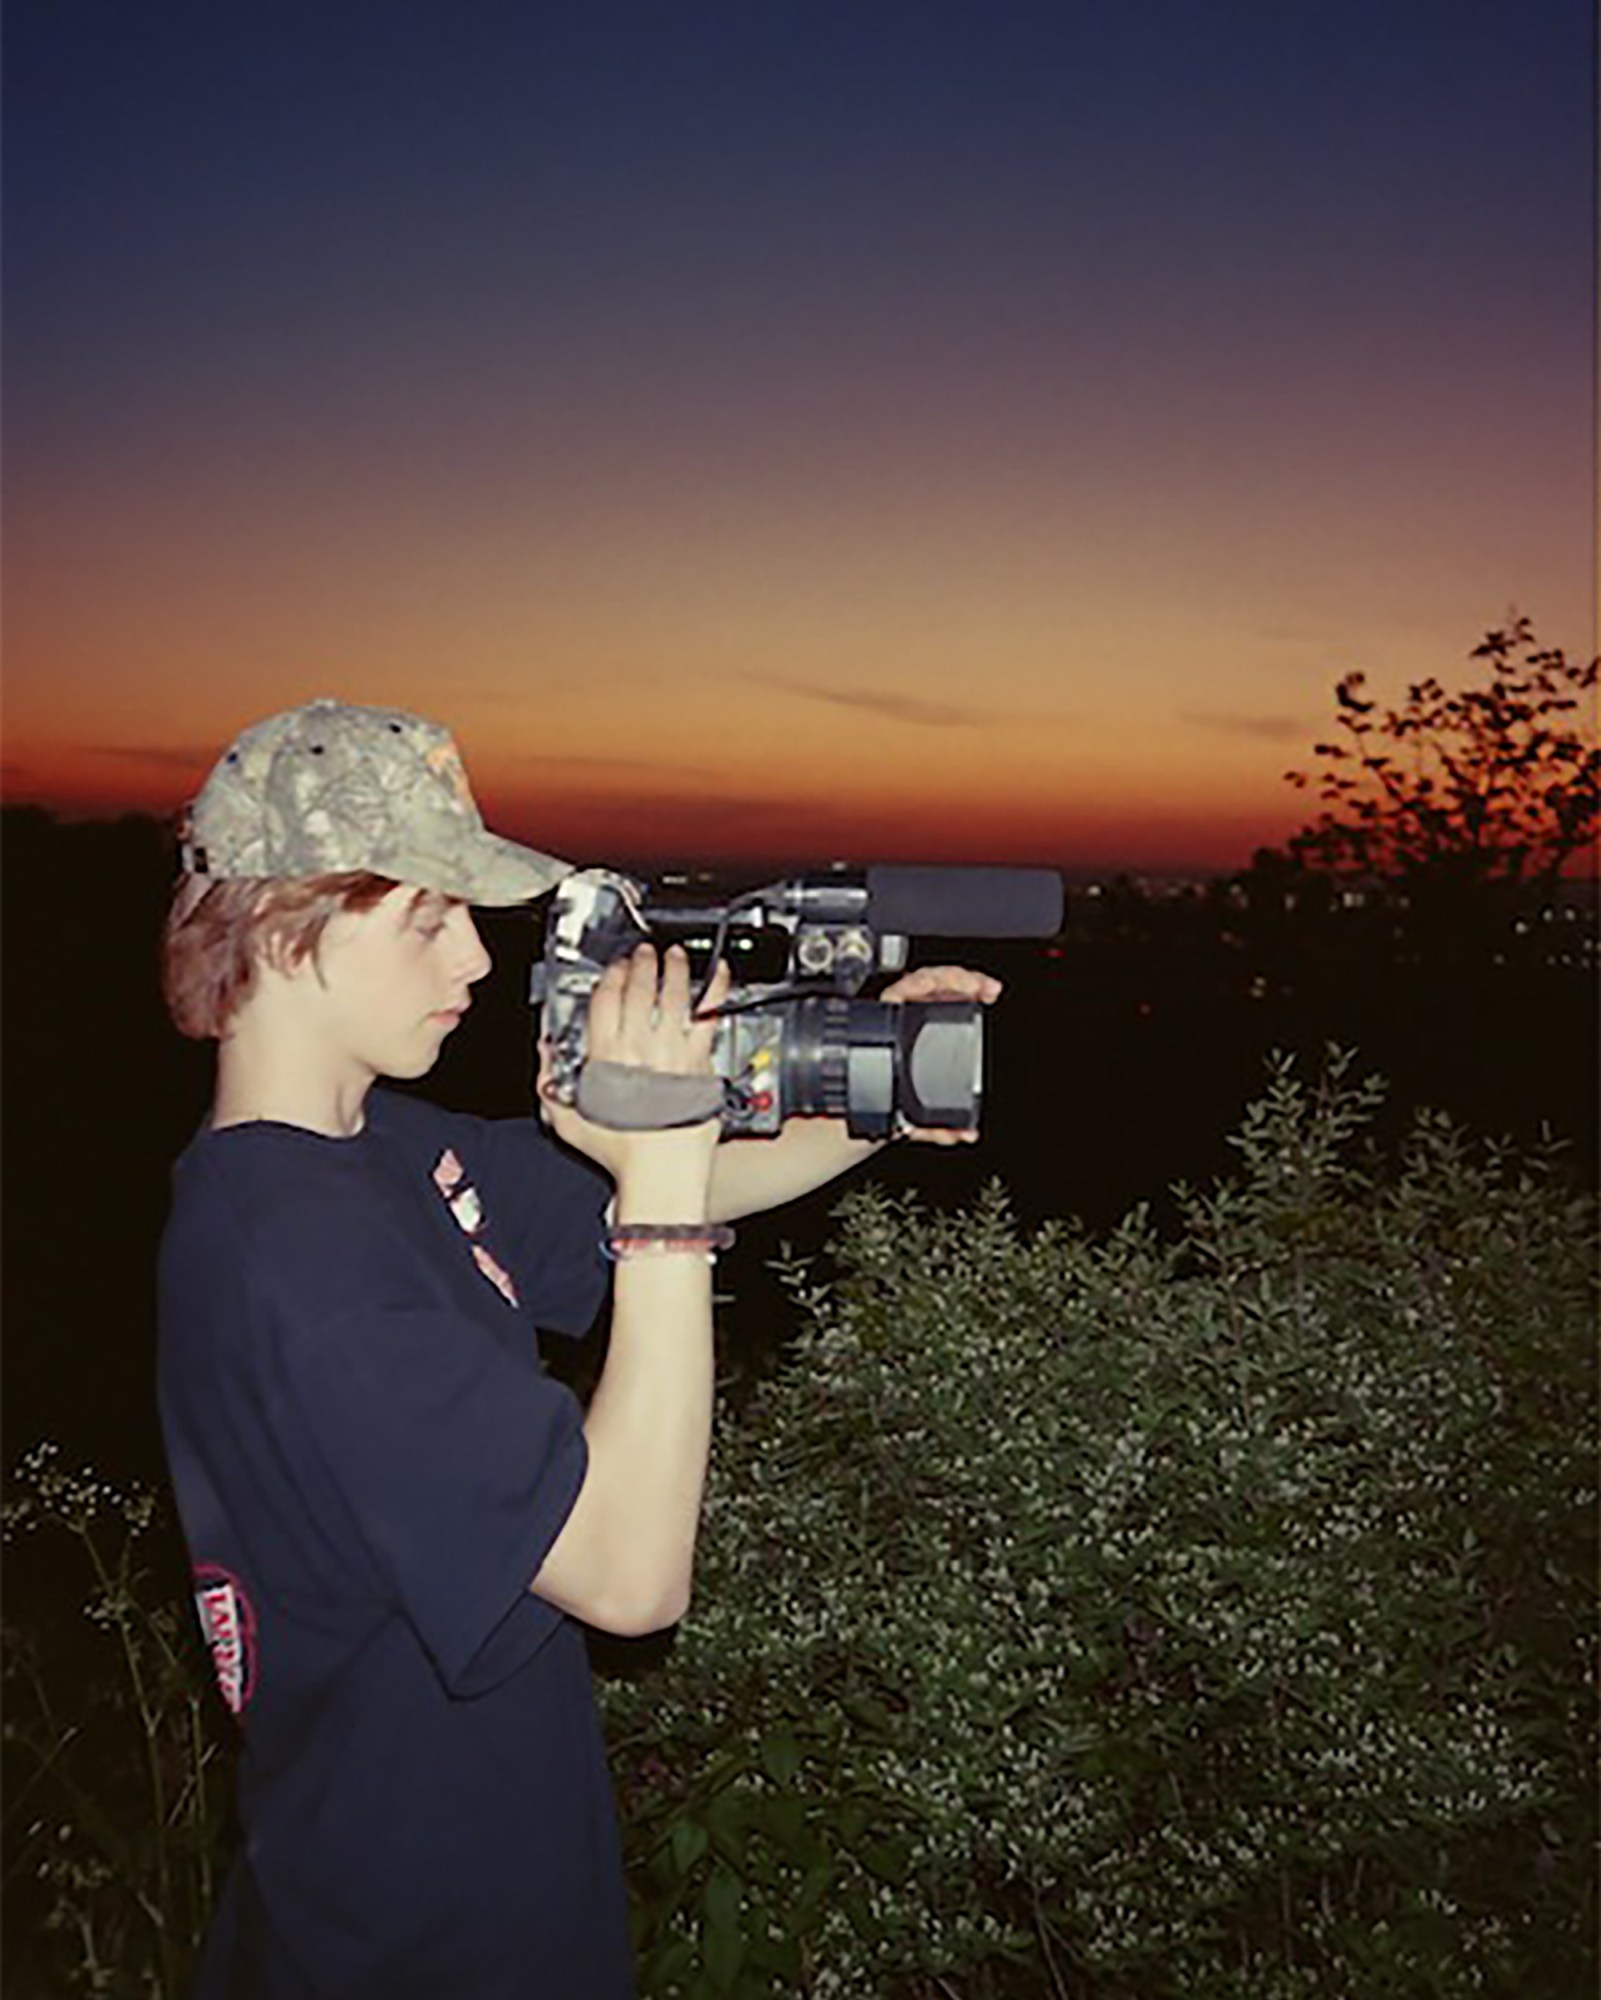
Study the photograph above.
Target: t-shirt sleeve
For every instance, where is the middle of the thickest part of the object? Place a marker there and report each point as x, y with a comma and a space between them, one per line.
551, 1206
459, 1464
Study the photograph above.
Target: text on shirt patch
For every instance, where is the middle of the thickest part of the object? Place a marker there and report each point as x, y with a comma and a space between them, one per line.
228, 1626
461, 1198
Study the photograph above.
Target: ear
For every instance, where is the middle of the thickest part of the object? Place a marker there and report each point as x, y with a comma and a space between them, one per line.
279, 956
272, 955
274, 961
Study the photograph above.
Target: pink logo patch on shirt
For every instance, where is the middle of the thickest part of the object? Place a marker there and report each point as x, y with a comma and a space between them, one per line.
228, 1625
467, 1211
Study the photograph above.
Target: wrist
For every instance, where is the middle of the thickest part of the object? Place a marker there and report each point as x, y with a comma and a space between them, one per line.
664, 1190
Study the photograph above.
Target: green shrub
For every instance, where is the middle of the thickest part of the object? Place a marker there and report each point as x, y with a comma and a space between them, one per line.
1130, 1618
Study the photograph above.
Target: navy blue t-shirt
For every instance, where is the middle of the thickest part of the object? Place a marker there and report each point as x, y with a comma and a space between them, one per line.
371, 1464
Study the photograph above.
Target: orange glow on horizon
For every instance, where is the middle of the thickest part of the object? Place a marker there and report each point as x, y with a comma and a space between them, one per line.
598, 824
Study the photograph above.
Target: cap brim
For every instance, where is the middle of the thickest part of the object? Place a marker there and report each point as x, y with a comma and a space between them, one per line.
514, 874
489, 872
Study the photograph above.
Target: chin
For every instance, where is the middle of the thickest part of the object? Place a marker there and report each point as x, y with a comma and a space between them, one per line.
407, 1069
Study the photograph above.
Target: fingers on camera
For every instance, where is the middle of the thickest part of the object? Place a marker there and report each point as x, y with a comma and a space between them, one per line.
675, 984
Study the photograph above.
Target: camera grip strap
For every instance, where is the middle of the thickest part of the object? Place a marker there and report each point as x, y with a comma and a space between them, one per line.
628, 1097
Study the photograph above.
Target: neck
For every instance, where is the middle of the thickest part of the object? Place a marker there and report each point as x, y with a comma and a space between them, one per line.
261, 1076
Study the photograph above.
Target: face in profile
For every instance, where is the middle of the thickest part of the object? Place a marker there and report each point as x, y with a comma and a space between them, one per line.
389, 983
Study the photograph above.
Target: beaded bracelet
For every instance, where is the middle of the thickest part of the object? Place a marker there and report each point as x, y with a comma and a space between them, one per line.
630, 1239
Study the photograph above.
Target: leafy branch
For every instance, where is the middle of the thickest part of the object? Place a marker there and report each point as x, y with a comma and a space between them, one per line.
1496, 784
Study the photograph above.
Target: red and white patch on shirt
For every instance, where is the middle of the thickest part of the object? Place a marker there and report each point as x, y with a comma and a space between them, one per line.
228, 1625
461, 1198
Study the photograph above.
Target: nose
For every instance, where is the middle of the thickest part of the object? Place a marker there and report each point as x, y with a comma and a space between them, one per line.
472, 959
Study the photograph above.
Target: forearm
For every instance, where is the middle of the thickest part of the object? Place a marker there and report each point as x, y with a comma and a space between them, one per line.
749, 1175
648, 1431
625, 1555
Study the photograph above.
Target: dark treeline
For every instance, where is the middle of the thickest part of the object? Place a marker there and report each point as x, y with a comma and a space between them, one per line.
1117, 1062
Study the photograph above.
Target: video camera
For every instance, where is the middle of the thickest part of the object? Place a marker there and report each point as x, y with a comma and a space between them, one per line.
804, 1043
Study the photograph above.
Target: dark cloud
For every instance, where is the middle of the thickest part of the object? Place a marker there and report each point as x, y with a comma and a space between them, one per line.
1291, 633
1265, 728
897, 707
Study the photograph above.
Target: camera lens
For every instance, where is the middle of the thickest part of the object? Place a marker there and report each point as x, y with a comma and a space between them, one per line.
874, 1063
815, 1081
942, 1063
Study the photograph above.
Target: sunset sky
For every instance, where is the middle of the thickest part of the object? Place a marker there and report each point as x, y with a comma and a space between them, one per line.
905, 431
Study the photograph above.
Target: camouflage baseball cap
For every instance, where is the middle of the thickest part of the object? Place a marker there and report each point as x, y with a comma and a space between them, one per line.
327, 788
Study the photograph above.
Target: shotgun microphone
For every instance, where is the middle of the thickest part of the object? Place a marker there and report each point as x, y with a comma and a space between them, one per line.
965, 902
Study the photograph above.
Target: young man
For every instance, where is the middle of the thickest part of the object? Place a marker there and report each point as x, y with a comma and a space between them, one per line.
398, 1522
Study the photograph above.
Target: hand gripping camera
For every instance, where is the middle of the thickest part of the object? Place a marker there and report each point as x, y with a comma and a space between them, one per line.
804, 1043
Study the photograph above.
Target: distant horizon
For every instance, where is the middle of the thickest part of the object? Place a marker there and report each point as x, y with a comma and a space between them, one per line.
583, 806
726, 859
755, 867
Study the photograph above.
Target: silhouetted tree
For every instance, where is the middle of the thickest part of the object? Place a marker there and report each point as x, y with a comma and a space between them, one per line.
1487, 786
